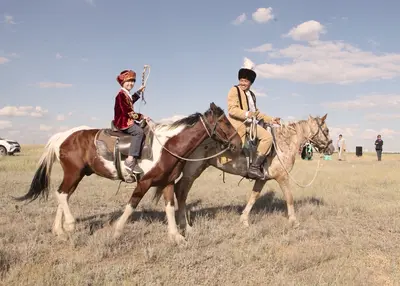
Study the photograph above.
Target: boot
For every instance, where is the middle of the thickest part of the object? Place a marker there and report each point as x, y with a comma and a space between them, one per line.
254, 171
132, 166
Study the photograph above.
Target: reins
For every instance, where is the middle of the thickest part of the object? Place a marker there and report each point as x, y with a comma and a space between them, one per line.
279, 159
189, 159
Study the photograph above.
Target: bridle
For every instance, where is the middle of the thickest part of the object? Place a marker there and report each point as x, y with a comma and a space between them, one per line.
317, 142
213, 134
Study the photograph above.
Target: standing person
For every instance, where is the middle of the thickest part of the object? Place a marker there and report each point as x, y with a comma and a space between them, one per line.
125, 116
341, 145
378, 147
242, 106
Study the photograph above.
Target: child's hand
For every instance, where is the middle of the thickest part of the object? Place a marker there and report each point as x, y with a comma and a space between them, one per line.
141, 89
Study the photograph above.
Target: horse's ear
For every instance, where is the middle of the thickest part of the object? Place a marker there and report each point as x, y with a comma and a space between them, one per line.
310, 117
213, 106
324, 118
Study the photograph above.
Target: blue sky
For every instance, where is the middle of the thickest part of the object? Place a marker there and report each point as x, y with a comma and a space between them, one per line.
59, 60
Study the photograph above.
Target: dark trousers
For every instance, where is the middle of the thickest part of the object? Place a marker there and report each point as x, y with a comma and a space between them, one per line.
137, 137
379, 154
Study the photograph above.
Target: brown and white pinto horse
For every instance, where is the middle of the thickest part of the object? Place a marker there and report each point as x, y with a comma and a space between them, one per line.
279, 163
78, 156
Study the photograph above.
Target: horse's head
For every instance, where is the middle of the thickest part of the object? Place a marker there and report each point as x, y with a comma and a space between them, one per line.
221, 130
320, 134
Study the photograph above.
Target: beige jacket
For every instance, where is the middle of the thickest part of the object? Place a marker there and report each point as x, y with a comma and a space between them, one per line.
236, 114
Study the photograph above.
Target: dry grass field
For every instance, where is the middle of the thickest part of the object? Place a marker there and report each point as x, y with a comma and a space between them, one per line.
349, 231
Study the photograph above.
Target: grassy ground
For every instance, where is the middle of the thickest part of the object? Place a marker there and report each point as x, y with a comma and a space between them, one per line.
349, 231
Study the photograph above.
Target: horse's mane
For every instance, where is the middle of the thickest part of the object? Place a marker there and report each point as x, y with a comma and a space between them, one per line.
189, 121
288, 129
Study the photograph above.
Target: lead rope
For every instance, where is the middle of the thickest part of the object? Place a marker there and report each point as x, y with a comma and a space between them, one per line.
290, 176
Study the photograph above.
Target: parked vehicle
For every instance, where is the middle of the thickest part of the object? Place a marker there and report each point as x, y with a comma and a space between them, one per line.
9, 147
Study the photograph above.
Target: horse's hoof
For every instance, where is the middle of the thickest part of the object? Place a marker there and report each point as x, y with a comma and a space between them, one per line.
244, 220
57, 231
294, 223
69, 227
178, 239
117, 234
188, 229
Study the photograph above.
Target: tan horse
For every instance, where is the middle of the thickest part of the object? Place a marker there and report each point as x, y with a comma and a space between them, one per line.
287, 141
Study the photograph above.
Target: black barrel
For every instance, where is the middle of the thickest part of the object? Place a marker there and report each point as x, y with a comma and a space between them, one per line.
358, 151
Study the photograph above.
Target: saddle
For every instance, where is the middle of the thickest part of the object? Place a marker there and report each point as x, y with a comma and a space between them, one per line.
110, 140
113, 145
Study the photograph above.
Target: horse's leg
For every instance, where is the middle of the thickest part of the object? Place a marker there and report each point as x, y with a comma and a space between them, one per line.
255, 194
191, 172
170, 212
70, 182
285, 187
182, 190
57, 225
138, 193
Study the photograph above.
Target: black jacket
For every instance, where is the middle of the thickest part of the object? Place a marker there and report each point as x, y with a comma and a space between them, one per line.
378, 144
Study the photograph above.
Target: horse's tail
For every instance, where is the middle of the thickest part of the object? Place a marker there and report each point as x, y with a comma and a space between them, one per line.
41, 181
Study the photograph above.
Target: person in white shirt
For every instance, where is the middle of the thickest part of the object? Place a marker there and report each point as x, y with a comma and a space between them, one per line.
242, 106
341, 145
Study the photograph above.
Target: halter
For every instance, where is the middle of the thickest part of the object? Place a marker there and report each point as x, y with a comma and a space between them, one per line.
212, 134
211, 131
310, 139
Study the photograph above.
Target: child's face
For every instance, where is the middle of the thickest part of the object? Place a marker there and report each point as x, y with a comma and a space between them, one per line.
128, 85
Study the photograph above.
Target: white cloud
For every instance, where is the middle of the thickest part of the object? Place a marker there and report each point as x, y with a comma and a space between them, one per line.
295, 94
14, 55
38, 112
263, 15
381, 116
171, 119
263, 48
384, 132
12, 111
8, 19
366, 101
59, 56
14, 132
307, 31
53, 85
44, 127
5, 124
60, 117
240, 19
3, 60
321, 62
94, 118
63, 128
259, 92
334, 132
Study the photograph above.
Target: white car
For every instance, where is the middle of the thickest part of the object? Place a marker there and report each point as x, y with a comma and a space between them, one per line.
9, 147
